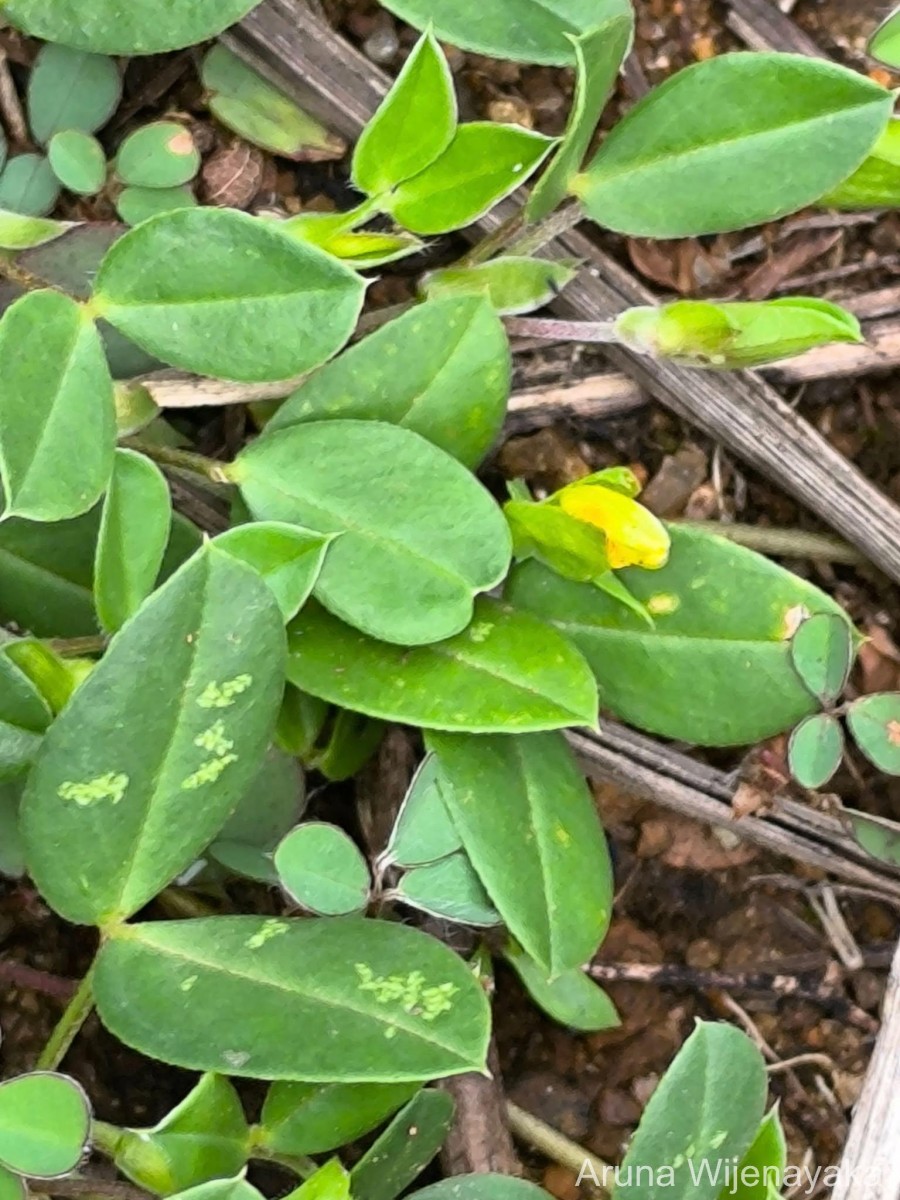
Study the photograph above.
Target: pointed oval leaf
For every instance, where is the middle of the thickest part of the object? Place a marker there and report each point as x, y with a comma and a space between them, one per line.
531, 31
288, 557
760, 1174
405, 1148
312, 1118
511, 284
874, 722
45, 1122
706, 1109
223, 1189
884, 43
29, 186
138, 204
877, 836
421, 536
134, 532
116, 808
204, 1137
452, 391
423, 831
22, 233
12, 1186
599, 54
109, 28
221, 293
57, 416
507, 671
414, 123
541, 854
449, 889
260, 113
46, 571
159, 155
822, 654
483, 163
572, 998
815, 750
78, 161
321, 868
753, 137
272, 804
12, 852
721, 613
287, 999
69, 89
24, 716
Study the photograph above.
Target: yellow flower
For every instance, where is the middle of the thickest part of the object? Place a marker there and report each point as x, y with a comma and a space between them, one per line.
634, 537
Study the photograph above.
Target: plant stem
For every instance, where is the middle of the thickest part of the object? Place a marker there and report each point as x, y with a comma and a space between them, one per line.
77, 646
595, 332
30, 979
546, 231
495, 241
786, 543
558, 1148
77, 1012
184, 460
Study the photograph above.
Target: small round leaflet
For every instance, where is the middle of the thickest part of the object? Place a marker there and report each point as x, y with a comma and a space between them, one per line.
321, 868
815, 750
822, 654
45, 1121
874, 722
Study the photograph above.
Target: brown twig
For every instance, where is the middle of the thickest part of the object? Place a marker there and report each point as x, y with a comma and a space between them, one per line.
30, 979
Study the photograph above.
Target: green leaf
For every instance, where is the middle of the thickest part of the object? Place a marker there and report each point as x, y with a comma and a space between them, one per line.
409, 564
351, 742
221, 293
531, 31
24, 716
731, 142
159, 155
69, 89
405, 1148
571, 548
287, 557
507, 671
53, 677
205, 1137
322, 870
721, 614
413, 125
815, 750
312, 1118
12, 1187
115, 808
271, 805
423, 831
571, 998
138, 204
822, 651
366, 249
78, 161
12, 852
57, 417
452, 391
877, 836
222, 1189
599, 54
449, 889
109, 28
760, 1175
330, 1182
484, 162
541, 854
704, 1114
511, 285
46, 571
337, 1000
481, 1187
874, 722
884, 44
260, 113
45, 1122
134, 533
29, 186
22, 233
876, 183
